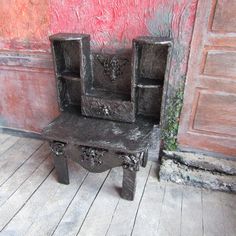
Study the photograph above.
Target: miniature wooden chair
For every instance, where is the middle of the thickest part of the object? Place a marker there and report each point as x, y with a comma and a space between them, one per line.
110, 104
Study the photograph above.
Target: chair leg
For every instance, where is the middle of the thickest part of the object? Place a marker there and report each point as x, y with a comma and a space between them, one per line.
129, 184
61, 167
60, 161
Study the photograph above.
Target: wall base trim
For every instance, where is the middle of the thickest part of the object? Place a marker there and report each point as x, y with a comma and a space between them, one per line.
20, 133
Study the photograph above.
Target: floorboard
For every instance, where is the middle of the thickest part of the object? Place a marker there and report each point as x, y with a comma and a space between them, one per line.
17, 201
170, 219
4, 137
7, 144
24, 172
213, 217
33, 203
78, 209
148, 216
228, 202
191, 223
57, 204
16, 156
99, 217
125, 213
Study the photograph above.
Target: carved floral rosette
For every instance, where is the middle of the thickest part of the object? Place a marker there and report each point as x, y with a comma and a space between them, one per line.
92, 157
130, 161
58, 148
112, 66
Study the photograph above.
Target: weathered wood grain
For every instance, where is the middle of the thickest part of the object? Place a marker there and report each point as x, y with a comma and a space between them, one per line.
7, 144
125, 213
80, 130
50, 202
23, 194
225, 12
220, 63
210, 104
56, 205
208, 117
23, 173
213, 217
79, 208
100, 215
150, 209
171, 214
17, 157
228, 202
4, 137
191, 219
32, 202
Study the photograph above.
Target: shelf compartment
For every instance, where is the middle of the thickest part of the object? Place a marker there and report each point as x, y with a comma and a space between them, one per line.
69, 93
66, 56
149, 83
149, 102
71, 55
150, 58
69, 75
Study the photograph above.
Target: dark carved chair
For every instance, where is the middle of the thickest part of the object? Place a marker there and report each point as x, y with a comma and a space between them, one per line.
109, 105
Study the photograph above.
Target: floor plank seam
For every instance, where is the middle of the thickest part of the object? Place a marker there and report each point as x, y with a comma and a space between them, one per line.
70, 203
159, 221
112, 217
92, 203
136, 213
48, 156
16, 141
223, 213
159, 209
181, 213
203, 228
27, 200
5, 140
21, 165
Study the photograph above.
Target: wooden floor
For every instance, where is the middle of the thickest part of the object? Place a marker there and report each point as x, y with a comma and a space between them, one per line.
33, 203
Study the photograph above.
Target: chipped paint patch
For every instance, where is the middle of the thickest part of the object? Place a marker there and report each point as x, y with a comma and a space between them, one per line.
25, 20
26, 25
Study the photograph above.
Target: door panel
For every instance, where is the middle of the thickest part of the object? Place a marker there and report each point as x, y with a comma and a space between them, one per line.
220, 63
216, 113
225, 13
208, 118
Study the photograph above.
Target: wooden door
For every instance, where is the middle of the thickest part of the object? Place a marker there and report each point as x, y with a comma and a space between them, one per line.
208, 118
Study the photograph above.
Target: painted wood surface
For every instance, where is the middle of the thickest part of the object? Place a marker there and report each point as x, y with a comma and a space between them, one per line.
150, 208
81, 205
32, 202
25, 171
125, 213
27, 88
208, 118
7, 143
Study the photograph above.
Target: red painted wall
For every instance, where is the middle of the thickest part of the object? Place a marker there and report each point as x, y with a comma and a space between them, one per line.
27, 88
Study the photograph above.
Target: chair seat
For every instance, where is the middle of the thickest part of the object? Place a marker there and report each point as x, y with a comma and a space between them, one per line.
117, 136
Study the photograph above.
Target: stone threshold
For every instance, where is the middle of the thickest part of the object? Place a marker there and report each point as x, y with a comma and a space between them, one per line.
198, 170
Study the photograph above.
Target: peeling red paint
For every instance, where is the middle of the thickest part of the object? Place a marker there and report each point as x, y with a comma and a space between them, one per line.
110, 22
26, 24
24, 19
114, 23
28, 99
